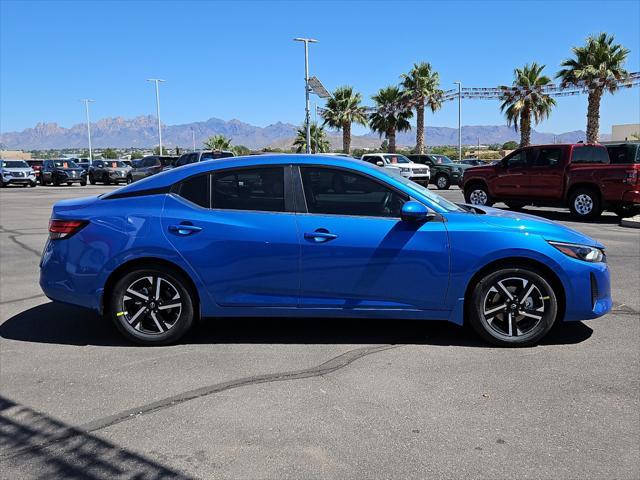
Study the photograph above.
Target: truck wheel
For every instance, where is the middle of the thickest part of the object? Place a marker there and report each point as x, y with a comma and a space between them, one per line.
477, 194
517, 206
92, 179
442, 181
585, 204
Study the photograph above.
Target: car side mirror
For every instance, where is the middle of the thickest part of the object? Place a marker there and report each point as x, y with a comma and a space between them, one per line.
380, 163
414, 212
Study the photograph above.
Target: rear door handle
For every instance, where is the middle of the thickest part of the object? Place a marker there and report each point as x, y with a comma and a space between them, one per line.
320, 235
184, 229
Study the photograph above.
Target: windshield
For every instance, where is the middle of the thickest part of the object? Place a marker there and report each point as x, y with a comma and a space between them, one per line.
442, 159
13, 164
396, 159
424, 191
114, 164
65, 164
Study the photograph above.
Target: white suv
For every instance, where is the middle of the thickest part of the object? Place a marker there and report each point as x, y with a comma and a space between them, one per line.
400, 164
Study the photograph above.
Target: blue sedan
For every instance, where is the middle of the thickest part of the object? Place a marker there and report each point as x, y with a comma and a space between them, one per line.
314, 236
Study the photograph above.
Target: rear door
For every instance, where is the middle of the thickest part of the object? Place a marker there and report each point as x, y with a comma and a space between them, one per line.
236, 228
546, 174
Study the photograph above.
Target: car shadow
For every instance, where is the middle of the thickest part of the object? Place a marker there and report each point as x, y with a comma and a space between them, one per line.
55, 323
606, 218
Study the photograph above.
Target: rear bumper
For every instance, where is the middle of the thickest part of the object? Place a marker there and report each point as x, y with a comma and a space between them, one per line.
631, 197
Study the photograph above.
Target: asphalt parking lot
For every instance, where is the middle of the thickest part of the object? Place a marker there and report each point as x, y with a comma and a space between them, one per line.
271, 398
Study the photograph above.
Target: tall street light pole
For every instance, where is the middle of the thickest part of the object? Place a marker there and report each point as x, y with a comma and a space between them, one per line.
157, 81
459, 120
86, 102
307, 41
193, 138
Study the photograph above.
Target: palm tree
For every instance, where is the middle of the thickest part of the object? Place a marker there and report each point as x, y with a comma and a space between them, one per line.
598, 65
217, 143
521, 103
343, 109
421, 89
319, 142
392, 115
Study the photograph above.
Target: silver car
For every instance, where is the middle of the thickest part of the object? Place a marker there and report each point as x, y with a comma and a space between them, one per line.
16, 172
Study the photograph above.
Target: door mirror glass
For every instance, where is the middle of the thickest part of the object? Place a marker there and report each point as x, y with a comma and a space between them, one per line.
414, 211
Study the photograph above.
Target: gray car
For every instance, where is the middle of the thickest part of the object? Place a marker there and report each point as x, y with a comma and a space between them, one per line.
147, 166
108, 171
16, 172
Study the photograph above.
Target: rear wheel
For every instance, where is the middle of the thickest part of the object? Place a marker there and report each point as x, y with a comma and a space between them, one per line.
442, 181
515, 205
152, 306
585, 204
56, 182
513, 307
92, 180
69, 183
626, 211
478, 194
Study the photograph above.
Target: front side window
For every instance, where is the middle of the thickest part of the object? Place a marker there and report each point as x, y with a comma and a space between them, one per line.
517, 160
548, 157
260, 189
589, 154
372, 159
339, 192
393, 159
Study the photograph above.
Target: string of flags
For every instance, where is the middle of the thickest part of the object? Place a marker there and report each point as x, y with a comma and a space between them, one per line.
504, 92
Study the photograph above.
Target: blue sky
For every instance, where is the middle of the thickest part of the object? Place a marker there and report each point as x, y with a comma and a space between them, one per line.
238, 60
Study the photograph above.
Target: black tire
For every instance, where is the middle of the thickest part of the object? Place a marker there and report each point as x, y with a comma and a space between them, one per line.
43, 182
2, 184
475, 193
83, 184
626, 211
56, 182
33, 184
92, 180
443, 182
106, 181
585, 204
69, 184
495, 325
129, 179
145, 329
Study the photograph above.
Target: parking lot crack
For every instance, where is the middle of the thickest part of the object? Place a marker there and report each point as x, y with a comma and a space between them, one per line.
329, 366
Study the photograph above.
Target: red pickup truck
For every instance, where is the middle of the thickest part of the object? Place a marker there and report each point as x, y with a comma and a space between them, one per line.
578, 176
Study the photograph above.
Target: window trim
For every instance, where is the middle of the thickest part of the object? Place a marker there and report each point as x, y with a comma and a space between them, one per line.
300, 190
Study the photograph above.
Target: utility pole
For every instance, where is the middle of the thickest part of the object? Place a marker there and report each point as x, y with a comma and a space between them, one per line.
86, 102
156, 81
459, 120
193, 138
306, 42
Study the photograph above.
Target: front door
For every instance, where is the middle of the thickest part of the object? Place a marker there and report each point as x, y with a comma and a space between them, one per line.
244, 248
546, 175
358, 254
511, 178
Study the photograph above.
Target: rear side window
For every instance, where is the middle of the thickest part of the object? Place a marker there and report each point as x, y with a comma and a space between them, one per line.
260, 189
548, 157
588, 154
629, 153
196, 190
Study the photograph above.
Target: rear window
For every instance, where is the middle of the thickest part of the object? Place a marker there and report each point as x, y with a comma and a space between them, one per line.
589, 154
629, 153
196, 190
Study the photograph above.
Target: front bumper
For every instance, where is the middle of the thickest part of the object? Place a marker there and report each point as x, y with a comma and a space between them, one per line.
589, 292
421, 179
19, 180
65, 178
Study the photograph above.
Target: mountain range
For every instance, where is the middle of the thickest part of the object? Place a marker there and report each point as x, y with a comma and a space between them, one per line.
142, 132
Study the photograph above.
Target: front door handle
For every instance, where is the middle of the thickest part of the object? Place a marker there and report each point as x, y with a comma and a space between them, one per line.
184, 229
320, 235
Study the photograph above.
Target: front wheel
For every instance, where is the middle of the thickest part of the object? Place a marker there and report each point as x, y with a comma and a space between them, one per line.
513, 307
584, 203
129, 180
478, 194
152, 306
92, 179
33, 184
442, 182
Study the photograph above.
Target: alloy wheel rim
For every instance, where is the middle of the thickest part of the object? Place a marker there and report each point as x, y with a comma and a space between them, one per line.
442, 182
151, 305
514, 306
478, 197
583, 204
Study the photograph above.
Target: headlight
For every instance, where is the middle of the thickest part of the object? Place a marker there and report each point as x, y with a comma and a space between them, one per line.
580, 252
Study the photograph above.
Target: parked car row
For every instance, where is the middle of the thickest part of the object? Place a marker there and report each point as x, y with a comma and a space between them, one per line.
16, 172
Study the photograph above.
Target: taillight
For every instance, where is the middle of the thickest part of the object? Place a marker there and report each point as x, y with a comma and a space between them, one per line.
59, 229
631, 177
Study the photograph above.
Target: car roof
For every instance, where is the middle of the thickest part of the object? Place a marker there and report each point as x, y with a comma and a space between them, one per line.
174, 175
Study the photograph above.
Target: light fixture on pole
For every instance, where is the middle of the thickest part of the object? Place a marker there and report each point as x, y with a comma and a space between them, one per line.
459, 120
157, 81
86, 102
306, 42
193, 138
